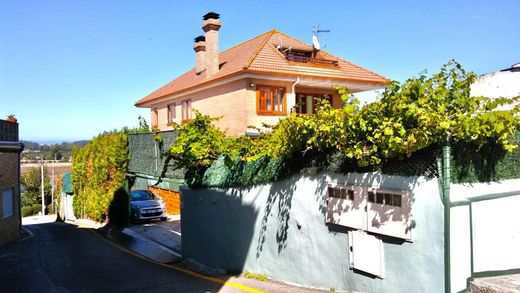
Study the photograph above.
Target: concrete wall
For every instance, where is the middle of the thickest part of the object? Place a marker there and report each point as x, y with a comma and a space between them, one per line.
484, 230
279, 229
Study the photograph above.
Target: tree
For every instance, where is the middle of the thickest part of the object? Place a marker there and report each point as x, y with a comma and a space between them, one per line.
31, 187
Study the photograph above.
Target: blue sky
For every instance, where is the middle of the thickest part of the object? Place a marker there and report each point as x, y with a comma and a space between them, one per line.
72, 69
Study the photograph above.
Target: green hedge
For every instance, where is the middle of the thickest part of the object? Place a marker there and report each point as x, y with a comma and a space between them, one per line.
471, 163
31, 210
98, 170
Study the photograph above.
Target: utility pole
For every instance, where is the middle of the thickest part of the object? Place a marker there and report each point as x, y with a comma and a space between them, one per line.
52, 184
43, 186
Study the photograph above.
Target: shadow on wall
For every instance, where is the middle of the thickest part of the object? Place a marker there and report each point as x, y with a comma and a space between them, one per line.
214, 210
283, 194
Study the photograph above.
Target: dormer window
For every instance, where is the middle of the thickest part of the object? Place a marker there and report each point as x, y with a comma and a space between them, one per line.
298, 56
306, 56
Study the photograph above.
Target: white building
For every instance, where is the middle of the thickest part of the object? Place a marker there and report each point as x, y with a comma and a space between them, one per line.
503, 83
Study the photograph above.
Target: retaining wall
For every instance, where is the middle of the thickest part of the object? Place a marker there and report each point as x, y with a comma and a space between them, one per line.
279, 229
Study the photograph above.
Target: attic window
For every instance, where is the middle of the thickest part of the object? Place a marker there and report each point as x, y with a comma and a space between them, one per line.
298, 56
305, 56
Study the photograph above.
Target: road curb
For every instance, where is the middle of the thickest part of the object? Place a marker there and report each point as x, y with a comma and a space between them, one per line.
177, 267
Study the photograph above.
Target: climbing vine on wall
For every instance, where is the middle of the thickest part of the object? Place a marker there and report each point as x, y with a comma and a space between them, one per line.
409, 117
98, 170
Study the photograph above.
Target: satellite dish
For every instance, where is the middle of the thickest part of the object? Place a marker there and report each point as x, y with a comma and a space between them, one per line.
315, 42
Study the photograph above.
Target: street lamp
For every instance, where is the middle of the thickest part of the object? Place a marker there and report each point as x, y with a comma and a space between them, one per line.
43, 184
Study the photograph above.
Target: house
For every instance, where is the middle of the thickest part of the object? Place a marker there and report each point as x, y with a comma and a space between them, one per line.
258, 81
10, 150
503, 83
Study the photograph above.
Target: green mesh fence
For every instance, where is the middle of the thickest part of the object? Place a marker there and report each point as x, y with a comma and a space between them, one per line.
226, 173
150, 157
490, 162
469, 164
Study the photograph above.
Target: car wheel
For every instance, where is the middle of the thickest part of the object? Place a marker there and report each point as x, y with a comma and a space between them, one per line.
164, 219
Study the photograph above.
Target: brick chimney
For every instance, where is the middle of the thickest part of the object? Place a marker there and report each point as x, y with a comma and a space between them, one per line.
211, 26
200, 53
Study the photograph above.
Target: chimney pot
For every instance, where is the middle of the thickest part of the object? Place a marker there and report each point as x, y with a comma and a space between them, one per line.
211, 15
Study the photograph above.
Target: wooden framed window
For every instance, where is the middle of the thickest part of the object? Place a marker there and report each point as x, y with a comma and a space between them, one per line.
307, 103
171, 113
186, 110
270, 101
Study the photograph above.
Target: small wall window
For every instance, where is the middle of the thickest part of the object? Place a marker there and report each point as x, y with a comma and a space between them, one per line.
171, 113
7, 203
341, 192
384, 198
270, 101
376, 210
186, 110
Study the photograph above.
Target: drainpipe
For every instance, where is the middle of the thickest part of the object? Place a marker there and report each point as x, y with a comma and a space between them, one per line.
297, 81
20, 186
446, 182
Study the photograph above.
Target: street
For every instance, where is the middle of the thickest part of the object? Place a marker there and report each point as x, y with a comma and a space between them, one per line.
61, 257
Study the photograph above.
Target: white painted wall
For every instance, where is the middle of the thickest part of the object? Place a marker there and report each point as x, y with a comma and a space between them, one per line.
496, 229
279, 229
496, 234
460, 253
497, 84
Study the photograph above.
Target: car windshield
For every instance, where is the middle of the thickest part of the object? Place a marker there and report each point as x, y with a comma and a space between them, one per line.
142, 195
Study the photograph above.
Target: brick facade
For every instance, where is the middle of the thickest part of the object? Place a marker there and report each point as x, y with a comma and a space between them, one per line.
9, 179
235, 103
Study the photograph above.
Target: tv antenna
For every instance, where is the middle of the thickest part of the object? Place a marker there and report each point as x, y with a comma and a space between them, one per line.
315, 43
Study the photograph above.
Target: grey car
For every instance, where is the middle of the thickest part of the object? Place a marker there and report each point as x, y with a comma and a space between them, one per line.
146, 205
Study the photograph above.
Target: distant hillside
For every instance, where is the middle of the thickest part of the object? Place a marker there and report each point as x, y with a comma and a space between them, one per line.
60, 151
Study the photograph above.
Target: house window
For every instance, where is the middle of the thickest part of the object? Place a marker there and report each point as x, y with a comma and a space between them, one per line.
186, 110
7, 203
270, 101
171, 113
307, 103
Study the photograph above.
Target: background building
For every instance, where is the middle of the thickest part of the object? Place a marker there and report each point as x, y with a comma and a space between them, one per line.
10, 150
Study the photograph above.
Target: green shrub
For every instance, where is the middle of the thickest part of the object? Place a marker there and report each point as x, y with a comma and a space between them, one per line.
36, 209
31, 210
98, 170
26, 211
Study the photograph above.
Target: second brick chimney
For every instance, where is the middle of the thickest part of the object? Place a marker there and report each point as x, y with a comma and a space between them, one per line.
200, 54
211, 26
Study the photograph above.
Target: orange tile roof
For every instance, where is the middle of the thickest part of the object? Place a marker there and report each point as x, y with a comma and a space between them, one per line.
259, 55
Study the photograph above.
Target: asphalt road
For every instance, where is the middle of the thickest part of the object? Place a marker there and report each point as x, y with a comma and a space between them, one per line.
63, 258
